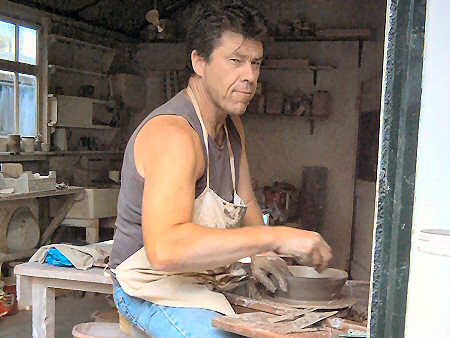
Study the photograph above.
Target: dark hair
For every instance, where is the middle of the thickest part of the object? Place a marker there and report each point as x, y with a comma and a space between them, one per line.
211, 20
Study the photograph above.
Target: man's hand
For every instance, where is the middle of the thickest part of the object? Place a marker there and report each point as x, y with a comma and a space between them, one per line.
307, 247
266, 265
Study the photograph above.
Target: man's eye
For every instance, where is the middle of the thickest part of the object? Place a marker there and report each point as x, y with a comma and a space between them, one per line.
235, 60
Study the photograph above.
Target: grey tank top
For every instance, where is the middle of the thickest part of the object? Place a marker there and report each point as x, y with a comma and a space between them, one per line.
128, 236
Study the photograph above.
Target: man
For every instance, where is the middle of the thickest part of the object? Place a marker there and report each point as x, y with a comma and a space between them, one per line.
186, 209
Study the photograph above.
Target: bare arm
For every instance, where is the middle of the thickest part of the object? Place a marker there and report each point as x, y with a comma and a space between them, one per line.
169, 155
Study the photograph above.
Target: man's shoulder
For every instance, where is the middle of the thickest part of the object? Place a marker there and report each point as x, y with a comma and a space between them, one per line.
166, 129
168, 139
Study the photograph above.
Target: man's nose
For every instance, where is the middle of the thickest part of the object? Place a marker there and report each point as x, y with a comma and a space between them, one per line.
250, 73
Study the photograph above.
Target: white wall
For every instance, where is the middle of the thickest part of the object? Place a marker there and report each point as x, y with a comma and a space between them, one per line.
279, 149
364, 222
428, 308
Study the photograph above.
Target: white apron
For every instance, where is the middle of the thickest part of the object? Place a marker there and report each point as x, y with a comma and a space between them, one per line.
138, 279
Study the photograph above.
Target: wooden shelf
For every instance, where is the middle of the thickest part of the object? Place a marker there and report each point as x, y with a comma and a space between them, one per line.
298, 69
282, 117
56, 37
293, 65
93, 100
43, 156
97, 127
90, 153
39, 194
330, 35
76, 70
23, 157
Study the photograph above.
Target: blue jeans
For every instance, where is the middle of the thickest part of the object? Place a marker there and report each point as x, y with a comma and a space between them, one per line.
167, 322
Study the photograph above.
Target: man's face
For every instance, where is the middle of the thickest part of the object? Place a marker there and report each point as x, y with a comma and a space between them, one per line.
231, 74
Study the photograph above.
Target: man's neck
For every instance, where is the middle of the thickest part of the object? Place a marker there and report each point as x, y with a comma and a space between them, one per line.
213, 117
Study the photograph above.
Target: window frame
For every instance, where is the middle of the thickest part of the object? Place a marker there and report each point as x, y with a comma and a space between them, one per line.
40, 71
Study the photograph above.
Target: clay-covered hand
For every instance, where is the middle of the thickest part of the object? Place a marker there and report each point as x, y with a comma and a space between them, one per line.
269, 269
307, 247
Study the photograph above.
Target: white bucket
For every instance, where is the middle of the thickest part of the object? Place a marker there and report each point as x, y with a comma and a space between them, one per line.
428, 310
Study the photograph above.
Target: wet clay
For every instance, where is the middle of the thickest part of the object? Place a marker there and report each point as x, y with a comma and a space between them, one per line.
307, 285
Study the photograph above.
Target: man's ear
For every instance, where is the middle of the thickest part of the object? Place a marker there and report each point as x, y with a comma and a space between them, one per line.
198, 63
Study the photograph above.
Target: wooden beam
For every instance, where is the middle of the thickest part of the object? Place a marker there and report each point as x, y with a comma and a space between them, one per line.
18, 67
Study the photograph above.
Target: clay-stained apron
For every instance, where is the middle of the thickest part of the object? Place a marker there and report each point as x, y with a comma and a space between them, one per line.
198, 289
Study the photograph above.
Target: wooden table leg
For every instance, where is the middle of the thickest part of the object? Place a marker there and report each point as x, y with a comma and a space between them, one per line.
92, 233
23, 289
43, 310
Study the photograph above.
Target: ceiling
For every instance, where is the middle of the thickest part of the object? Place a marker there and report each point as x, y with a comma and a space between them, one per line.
124, 16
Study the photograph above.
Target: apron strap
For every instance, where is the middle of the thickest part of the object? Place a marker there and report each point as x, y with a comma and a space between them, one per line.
204, 131
230, 151
205, 139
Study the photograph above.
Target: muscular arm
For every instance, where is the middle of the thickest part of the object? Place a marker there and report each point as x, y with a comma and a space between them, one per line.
169, 156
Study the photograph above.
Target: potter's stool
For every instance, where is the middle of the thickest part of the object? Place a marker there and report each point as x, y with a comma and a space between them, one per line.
97, 330
107, 330
127, 328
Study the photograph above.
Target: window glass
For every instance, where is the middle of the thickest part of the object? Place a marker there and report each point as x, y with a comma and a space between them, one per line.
27, 105
7, 115
27, 45
7, 41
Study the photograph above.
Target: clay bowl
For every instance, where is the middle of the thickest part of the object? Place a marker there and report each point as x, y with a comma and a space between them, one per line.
309, 285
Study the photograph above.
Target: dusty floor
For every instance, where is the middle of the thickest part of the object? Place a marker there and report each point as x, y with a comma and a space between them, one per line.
70, 310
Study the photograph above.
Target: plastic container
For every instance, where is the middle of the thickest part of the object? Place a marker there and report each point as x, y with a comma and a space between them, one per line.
8, 300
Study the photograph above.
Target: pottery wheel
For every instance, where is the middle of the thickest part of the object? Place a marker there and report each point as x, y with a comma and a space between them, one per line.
308, 288
335, 304
23, 231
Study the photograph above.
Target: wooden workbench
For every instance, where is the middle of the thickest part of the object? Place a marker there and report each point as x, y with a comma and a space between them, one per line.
8, 204
36, 284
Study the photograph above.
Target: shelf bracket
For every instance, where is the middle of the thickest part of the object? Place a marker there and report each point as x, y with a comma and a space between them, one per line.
360, 51
315, 77
311, 127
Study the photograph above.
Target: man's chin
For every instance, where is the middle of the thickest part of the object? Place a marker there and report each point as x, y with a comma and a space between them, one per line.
238, 110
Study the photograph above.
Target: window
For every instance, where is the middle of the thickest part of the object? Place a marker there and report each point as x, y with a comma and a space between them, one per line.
18, 79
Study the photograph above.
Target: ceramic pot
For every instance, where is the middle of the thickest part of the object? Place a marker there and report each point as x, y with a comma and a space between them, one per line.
60, 139
45, 147
27, 144
14, 143
3, 144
